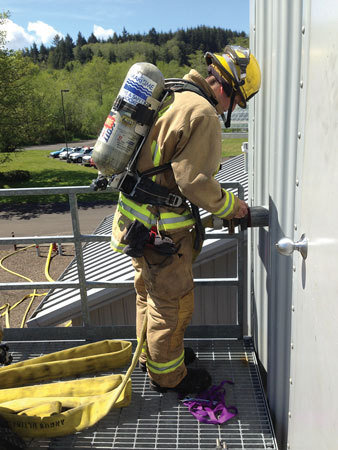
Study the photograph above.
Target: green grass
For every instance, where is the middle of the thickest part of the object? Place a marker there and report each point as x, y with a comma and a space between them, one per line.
232, 147
49, 172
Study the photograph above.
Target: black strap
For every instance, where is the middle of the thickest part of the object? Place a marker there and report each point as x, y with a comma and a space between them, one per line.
148, 192
200, 234
156, 170
180, 85
140, 113
232, 100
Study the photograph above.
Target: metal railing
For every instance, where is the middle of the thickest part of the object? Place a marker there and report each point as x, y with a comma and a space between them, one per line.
78, 239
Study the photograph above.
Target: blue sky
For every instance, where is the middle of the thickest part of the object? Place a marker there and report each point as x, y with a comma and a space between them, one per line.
40, 20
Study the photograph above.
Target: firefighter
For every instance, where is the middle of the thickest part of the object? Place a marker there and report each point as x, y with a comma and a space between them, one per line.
188, 135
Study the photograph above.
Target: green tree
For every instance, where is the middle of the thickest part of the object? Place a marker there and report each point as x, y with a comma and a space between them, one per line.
243, 41
43, 54
92, 39
80, 40
16, 100
69, 45
125, 35
83, 54
111, 56
34, 53
197, 62
152, 37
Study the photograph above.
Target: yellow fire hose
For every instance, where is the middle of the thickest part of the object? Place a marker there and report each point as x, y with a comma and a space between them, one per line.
62, 408
7, 307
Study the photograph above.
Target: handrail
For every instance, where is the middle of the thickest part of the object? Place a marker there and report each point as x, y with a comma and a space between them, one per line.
77, 238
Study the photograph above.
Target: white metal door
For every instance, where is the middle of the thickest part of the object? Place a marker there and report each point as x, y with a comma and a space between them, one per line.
313, 407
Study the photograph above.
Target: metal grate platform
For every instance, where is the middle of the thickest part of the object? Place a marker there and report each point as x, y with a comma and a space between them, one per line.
156, 421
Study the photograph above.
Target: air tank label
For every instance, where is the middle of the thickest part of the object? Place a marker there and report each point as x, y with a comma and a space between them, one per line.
108, 128
109, 123
118, 132
137, 88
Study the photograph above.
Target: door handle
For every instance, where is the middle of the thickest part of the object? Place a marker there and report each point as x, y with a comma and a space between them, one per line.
286, 246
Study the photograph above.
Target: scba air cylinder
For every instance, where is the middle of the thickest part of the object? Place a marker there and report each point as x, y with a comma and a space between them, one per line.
119, 137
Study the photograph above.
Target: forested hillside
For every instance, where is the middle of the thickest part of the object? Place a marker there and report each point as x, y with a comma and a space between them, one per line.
90, 72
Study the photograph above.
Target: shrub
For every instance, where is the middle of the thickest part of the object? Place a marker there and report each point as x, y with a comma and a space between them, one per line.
14, 176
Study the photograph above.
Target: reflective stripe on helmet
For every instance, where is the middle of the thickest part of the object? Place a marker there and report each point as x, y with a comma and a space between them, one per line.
234, 54
228, 205
167, 367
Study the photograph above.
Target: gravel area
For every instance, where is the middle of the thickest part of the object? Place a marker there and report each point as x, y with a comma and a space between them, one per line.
26, 262
35, 220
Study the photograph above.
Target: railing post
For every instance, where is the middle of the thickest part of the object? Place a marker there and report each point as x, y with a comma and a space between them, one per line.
239, 236
79, 258
240, 269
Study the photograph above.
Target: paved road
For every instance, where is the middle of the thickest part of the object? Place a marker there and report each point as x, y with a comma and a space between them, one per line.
91, 143
52, 147
49, 221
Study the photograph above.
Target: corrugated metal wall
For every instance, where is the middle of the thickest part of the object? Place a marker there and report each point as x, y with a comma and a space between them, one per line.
275, 38
214, 305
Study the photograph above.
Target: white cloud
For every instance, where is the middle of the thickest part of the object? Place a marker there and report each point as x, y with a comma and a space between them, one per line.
101, 33
18, 38
44, 32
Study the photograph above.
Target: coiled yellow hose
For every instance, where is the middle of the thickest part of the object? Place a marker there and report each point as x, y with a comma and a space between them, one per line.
7, 307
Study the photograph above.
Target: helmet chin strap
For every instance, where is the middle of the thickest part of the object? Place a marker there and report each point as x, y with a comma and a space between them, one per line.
232, 101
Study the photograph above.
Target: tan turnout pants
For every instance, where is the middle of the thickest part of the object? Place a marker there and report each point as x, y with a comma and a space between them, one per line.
164, 291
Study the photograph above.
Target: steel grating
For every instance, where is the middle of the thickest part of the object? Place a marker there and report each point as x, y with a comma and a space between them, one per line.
156, 421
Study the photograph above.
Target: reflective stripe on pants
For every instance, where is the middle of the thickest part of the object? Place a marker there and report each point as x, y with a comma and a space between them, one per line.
164, 287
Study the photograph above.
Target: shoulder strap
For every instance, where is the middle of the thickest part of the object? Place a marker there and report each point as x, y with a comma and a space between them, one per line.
156, 170
180, 85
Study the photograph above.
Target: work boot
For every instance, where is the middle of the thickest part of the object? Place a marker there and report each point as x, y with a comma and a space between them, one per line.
196, 380
189, 357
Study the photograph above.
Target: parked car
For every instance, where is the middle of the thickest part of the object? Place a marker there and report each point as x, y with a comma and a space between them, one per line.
76, 156
86, 158
56, 153
66, 152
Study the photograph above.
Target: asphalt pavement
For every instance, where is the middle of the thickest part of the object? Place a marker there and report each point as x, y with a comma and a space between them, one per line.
52, 147
51, 220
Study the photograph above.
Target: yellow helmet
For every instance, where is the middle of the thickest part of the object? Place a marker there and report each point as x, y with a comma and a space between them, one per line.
239, 68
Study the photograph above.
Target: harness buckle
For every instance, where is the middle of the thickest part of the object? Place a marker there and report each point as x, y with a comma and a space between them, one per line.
173, 200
